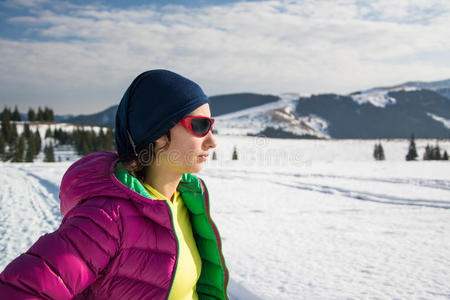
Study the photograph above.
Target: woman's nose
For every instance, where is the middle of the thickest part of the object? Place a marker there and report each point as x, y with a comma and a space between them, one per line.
210, 140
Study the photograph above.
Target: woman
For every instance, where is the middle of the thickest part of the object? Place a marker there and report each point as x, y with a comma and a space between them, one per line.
136, 223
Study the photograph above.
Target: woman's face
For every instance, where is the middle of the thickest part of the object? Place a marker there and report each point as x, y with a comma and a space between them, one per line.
185, 152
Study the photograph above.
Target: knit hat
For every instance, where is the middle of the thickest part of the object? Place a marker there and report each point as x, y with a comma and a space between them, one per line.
154, 102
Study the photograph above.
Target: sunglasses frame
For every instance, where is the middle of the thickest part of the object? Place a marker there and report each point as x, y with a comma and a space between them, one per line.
186, 123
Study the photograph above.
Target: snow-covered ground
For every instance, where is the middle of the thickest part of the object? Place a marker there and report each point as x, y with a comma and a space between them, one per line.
300, 219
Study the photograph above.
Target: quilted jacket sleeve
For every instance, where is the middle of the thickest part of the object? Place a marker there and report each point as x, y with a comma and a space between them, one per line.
62, 264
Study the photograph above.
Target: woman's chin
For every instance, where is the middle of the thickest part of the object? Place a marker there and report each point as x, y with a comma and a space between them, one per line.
195, 168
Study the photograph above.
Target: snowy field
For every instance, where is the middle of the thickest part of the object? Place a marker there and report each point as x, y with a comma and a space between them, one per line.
300, 219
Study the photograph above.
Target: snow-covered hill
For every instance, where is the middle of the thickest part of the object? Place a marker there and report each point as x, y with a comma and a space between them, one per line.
379, 96
279, 115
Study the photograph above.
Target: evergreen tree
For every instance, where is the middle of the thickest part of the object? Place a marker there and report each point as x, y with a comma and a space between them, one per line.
26, 131
436, 153
445, 156
31, 115
378, 152
16, 115
427, 153
102, 140
19, 150
31, 149
235, 154
49, 155
6, 125
46, 114
14, 134
40, 115
48, 133
37, 142
214, 156
412, 152
110, 144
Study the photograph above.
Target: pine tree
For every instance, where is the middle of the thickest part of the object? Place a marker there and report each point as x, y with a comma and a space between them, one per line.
31, 149
26, 131
380, 152
235, 154
31, 115
6, 125
49, 155
48, 133
214, 156
16, 115
102, 140
37, 141
19, 150
445, 156
436, 153
412, 151
427, 153
110, 144
40, 115
375, 151
46, 114
14, 134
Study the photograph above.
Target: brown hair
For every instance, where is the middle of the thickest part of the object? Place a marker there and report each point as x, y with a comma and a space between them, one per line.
136, 163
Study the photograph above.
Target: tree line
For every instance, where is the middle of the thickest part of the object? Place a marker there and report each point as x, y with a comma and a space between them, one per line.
26, 146
430, 153
41, 115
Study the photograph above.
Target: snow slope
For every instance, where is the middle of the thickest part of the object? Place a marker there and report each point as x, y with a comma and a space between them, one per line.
300, 219
279, 115
379, 96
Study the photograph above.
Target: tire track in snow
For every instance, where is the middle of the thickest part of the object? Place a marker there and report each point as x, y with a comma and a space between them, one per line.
366, 196
28, 209
293, 180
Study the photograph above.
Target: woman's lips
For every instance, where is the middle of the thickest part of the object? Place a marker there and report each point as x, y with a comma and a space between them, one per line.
203, 157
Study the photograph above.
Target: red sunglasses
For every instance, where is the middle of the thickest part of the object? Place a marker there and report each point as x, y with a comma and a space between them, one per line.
198, 125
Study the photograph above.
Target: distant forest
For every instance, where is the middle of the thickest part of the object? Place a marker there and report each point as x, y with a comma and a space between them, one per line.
25, 147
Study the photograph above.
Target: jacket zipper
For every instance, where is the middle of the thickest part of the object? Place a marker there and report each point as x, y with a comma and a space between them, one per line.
218, 238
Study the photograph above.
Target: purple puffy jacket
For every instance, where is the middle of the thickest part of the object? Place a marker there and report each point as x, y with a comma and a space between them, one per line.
115, 243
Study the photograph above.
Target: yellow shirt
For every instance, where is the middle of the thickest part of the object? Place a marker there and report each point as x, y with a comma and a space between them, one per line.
189, 264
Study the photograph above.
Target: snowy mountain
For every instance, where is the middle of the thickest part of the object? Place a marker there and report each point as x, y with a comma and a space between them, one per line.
274, 119
378, 96
422, 108
395, 113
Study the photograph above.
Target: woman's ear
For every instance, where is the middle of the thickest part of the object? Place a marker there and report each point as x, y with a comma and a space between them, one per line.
162, 143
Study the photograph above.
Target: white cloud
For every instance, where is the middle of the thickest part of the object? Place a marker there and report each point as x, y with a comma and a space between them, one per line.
92, 53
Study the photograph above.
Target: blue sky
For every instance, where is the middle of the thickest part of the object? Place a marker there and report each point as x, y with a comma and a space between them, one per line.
80, 56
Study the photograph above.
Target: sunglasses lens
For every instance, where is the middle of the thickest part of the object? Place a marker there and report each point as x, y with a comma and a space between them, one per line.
200, 125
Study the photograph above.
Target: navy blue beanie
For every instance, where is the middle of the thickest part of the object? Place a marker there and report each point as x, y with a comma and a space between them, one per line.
154, 102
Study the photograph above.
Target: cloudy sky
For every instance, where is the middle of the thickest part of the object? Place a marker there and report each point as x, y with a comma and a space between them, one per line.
80, 56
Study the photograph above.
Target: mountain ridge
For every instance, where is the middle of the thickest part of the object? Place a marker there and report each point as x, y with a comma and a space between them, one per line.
399, 110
